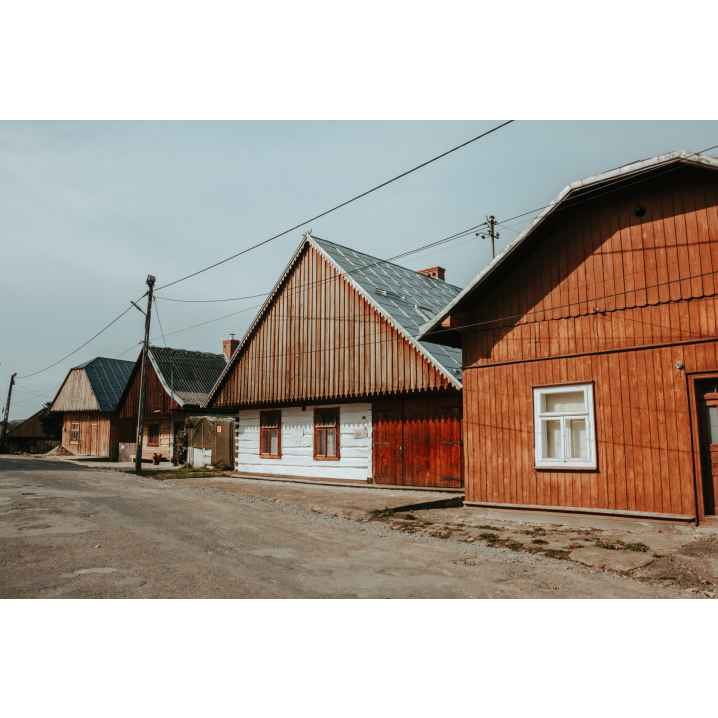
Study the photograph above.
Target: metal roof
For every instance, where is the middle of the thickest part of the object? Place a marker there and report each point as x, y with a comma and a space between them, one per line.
189, 375
409, 298
108, 378
615, 175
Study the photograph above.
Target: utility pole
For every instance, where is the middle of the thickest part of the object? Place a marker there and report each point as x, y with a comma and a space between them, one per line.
7, 413
143, 373
491, 221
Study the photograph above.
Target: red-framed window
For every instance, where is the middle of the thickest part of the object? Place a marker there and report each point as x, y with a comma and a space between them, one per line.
326, 434
153, 434
270, 434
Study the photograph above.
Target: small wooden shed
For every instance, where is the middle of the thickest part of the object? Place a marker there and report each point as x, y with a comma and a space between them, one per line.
87, 399
330, 382
30, 436
590, 351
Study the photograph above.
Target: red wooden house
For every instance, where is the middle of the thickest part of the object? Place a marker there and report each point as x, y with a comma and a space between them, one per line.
590, 351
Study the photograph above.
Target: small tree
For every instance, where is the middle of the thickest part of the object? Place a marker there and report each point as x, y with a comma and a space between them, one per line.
181, 446
51, 423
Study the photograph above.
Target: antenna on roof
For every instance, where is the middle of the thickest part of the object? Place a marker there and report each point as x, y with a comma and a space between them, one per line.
308, 233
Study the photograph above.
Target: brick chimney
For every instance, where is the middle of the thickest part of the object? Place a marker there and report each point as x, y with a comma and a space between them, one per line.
434, 273
229, 345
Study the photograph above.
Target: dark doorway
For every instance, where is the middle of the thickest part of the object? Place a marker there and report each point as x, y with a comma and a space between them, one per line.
707, 397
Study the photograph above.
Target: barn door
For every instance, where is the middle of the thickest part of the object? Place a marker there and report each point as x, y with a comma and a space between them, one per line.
94, 447
388, 459
708, 418
450, 456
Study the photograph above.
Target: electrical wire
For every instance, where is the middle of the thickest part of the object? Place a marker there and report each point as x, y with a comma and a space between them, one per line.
159, 321
343, 204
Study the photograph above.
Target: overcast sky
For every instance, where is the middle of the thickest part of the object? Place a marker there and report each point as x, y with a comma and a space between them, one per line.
88, 209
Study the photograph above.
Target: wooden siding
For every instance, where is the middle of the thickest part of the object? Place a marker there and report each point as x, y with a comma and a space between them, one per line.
320, 339
76, 394
616, 300
29, 429
157, 401
109, 432
606, 279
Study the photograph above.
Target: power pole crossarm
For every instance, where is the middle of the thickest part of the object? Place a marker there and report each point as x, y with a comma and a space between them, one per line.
493, 234
143, 375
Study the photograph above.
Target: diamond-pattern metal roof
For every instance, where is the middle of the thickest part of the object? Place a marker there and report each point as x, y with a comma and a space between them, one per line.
409, 298
190, 375
108, 378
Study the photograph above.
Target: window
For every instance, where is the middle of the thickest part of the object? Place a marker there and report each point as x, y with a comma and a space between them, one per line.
564, 426
270, 434
75, 432
326, 434
153, 434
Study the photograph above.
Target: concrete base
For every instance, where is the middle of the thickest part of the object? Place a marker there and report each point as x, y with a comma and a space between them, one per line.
612, 523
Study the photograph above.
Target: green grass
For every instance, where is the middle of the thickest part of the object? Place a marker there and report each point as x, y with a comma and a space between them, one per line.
637, 546
489, 536
411, 517
486, 526
386, 513
515, 545
539, 541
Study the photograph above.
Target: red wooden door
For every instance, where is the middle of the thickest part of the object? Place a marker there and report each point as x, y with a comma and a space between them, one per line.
708, 415
450, 448
388, 444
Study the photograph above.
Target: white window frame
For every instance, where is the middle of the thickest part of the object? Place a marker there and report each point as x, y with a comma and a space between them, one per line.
540, 416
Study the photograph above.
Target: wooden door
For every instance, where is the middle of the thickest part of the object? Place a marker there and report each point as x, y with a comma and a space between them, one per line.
94, 445
388, 450
451, 462
708, 420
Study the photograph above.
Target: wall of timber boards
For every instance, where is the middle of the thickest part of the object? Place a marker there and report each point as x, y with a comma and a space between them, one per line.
602, 282
103, 440
157, 400
320, 338
606, 279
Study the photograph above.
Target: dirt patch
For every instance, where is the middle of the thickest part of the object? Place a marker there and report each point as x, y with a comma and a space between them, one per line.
59, 451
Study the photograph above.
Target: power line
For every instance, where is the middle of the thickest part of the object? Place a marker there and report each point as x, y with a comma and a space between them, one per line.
343, 204
78, 348
159, 321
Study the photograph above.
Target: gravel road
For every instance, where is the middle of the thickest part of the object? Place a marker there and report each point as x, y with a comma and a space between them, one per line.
71, 532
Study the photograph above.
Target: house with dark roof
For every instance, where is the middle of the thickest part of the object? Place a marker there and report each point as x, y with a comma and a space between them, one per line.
330, 381
178, 383
87, 399
590, 349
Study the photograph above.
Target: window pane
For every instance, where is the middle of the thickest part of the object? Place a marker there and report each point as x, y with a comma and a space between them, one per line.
271, 420
327, 418
275, 442
713, 424
577, 429
565, 401
321, 443
265, 442
331, 442
553, 439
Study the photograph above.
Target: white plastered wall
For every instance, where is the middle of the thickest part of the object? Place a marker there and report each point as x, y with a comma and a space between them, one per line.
355, 444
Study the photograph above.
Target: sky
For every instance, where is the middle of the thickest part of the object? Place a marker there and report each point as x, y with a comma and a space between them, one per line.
89, 209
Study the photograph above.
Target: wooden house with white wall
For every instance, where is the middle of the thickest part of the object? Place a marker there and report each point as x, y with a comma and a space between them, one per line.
87, 399
178, 382
331, 383
590, 350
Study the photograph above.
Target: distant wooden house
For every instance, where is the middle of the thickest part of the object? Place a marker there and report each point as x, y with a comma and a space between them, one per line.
330, 382
178, 383
29, 435
87, 399
590, 351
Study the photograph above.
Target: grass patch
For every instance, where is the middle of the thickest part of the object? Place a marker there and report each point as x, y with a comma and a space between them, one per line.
386, 513
514, 545
556, 553
637, 546
491, 538
411, 517
486, 526
428, 523
539, 541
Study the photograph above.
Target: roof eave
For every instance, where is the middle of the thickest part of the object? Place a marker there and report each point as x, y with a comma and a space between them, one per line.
626, 170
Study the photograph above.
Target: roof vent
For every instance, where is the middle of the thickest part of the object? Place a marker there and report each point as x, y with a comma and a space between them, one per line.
389, 293
434, 273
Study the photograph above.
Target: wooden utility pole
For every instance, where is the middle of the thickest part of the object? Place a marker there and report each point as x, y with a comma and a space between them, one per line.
493, 234
7, 413
143, 374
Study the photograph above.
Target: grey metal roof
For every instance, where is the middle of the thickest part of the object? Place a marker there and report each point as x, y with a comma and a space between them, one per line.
189, 375
626, 170
409, 298
108, 378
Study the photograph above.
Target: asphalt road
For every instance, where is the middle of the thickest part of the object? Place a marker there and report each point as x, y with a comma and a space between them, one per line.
72, 532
